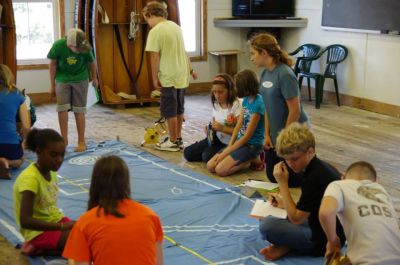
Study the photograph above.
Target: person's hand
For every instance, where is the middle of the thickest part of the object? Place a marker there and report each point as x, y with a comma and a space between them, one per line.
281, 173
276, 200
52, 92
68, 225
95, 82
194, 75
220, 157
332, 247
268, 143
216, 126
157, 84
23, 144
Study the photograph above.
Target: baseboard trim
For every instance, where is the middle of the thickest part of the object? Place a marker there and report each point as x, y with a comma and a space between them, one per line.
356, 102
195, 88
40, 98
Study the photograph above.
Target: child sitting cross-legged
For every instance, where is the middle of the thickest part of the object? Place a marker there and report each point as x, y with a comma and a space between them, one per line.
42, 224
225, 112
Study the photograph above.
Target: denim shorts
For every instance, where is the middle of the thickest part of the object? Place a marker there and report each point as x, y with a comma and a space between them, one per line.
172, 102
247, 152
11, 151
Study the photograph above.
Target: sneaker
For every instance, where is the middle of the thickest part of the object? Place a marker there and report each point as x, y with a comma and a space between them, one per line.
180, 143
167, 145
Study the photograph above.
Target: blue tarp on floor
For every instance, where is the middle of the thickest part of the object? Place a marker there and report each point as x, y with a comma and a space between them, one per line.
208, 219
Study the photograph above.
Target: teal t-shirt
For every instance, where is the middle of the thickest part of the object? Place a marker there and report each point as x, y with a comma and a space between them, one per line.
276, 87
250, 108
71, 67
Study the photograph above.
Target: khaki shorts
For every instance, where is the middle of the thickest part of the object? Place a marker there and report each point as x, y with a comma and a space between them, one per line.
72, 96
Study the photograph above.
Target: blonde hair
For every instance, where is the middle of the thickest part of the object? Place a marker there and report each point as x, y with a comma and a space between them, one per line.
295, 137
156, 9
363, 169
267, 42
7, 78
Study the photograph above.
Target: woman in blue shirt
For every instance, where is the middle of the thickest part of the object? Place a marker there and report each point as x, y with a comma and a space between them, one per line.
12, 103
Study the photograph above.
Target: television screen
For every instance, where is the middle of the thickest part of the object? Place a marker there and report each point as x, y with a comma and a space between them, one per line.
263, 8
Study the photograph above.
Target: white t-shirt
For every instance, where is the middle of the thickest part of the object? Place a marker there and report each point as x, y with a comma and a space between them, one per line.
369, 221
227, 117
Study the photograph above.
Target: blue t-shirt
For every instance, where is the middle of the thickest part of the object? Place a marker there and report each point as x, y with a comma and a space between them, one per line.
10, 103
276, 87
250, 108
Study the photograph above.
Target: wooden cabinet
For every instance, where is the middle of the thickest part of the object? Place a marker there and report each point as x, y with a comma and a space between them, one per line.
123, 65
8, 46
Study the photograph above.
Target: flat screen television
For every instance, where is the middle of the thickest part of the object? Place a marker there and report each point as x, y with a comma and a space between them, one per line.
258, 9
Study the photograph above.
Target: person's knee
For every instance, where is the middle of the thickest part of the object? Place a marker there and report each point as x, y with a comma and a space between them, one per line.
206, 156
221, 170
187, 154
269, 228
211, 166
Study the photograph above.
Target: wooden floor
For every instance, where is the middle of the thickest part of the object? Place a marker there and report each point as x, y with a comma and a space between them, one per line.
344, 135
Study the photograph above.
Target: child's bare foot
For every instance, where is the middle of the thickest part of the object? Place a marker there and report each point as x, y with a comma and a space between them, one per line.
273, 252
80, 148
4, 173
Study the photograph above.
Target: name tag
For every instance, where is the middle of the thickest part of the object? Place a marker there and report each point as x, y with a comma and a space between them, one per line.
267, 84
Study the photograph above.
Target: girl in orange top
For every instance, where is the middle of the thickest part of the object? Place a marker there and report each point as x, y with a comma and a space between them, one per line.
115, 229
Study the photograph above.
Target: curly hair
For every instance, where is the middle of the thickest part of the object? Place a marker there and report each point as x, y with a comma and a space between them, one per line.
295, 137
155, 8
266, 42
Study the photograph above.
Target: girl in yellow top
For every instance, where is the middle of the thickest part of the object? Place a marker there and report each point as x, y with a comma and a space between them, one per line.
41, 223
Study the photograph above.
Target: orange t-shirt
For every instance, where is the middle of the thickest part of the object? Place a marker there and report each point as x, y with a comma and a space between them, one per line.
108, 240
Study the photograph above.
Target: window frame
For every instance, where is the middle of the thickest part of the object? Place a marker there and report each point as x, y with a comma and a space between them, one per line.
59, 20
202, 5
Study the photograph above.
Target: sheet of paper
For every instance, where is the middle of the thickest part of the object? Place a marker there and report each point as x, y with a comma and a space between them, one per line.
92, 96
263, 208
255, 184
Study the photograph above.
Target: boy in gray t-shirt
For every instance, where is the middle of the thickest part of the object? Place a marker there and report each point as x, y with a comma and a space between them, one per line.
367, 215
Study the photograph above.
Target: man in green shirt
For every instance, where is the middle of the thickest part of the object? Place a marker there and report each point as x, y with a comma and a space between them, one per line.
71, 61
170, 68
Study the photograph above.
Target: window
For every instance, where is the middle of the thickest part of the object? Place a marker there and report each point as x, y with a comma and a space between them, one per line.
193, 23
37, 27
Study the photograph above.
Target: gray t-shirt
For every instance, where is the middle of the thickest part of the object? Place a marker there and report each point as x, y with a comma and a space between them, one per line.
369, 221
276, 87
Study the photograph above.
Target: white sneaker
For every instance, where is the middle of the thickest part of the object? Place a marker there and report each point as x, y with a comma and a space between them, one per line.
167, 145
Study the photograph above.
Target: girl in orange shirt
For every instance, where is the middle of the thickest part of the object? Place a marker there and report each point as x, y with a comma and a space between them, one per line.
115, 229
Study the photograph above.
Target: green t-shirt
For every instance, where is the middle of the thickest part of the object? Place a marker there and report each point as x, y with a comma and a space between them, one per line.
71, 67
45, 202
166, 39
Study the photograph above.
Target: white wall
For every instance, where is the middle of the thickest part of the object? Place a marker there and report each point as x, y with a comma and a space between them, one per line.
38, 81
369, 72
